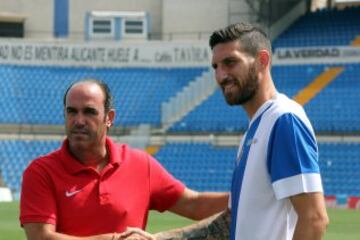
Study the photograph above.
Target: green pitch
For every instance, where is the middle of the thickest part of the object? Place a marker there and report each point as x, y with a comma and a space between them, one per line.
344, 223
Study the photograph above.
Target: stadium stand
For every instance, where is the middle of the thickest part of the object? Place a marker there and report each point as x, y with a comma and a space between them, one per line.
339, 96
327, 27
335, 108
35, 93
201, 166
16, 155
340, 166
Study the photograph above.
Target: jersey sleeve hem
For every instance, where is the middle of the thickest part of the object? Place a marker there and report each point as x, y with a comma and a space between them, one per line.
37, 219
178, 192
301, 183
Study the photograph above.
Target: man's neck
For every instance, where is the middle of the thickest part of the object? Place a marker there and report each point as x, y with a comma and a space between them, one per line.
263, 95
96, 157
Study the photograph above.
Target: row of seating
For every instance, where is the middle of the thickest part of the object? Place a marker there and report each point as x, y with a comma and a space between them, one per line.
200, 166
35, 94
327, 27
333, 110
38, 100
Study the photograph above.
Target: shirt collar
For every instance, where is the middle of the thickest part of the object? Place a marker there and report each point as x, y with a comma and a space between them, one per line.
263, 108
73, 166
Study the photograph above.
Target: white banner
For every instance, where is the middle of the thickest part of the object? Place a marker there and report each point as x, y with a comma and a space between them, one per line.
154, 54
316, 55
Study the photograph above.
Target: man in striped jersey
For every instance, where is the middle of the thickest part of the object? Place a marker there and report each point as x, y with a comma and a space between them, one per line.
276, 191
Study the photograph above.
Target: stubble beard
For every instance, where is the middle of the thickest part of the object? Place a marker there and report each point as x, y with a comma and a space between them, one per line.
246, 91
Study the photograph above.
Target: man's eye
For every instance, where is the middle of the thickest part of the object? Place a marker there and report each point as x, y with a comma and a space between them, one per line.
230, 62
91, 111
69, 111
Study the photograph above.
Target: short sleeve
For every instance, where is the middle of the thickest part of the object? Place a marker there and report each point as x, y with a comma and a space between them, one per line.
165, 190
37, 202
292, 159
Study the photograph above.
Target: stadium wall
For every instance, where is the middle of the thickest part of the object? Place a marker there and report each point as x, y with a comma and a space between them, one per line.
184, 20
79, 8
38, 16
169, 19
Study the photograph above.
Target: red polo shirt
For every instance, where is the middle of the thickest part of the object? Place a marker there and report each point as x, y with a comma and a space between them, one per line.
58, 190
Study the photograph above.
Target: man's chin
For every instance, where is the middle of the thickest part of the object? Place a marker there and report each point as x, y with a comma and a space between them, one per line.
78, 145
78, 136
78, 140
231, 101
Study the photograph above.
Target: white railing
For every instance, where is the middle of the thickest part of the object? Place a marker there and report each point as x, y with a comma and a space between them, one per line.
187, 99
138, 138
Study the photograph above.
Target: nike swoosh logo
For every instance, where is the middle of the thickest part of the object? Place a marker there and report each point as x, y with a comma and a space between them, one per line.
69, 194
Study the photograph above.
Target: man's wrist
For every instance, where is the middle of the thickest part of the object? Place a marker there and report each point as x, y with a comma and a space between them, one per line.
115, 236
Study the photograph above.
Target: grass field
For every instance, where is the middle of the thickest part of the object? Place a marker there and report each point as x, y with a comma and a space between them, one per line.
345, 224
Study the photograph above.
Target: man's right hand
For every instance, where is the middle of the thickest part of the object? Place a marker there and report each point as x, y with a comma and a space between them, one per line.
136, 234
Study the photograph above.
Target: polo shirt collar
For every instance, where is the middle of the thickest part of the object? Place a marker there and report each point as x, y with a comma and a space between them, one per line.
73, 166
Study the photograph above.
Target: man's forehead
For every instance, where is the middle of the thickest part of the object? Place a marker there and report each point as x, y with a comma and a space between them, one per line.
84, 100
85, 90
225, 50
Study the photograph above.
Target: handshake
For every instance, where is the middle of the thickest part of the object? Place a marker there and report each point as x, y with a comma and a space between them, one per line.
216, 227
134, 234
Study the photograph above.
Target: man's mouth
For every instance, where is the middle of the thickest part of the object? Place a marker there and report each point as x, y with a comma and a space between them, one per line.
227, 87
79, 132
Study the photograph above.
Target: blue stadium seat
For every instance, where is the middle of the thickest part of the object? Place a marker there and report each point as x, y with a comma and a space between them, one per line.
35, 93
327, 27
200, 166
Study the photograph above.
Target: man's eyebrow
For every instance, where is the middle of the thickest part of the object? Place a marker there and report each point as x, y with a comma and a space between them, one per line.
70, 108
91, 109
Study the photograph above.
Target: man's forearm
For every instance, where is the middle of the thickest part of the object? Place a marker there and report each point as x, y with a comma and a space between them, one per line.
216, 227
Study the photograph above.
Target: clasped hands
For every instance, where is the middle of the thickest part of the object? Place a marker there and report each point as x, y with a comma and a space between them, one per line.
132, 233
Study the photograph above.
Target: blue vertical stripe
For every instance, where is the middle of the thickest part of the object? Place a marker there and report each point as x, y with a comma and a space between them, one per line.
61, 18
117, 28
239, 171
148, 23
87, 26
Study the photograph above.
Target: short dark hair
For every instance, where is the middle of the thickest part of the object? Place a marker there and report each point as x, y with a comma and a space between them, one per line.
252, 38
108, 103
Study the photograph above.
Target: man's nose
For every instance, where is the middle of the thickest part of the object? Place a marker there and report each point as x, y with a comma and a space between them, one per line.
220, 75
79, 119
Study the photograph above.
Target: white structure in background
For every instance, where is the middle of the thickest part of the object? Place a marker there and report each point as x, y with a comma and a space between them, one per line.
187, 99
112, 25
5, 195
139, 137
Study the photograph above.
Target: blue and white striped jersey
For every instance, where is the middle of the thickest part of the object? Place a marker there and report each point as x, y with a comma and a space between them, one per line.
277, 158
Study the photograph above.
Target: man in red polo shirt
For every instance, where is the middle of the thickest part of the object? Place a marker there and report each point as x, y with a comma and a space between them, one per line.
92, 188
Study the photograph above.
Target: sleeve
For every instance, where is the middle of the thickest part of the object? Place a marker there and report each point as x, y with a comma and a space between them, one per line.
37, 202
165, 190
292, 159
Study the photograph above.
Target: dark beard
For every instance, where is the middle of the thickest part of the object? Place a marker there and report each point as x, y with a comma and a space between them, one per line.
247, 91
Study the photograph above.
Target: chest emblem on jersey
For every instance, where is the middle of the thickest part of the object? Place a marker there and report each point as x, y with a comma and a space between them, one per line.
72, 193
245, 147
251, 141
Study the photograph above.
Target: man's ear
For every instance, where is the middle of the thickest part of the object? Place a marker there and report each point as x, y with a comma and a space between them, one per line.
264, 59
110, 118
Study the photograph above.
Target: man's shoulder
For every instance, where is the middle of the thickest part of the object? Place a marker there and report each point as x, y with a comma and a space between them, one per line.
46, 160
284, 105
130, 153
